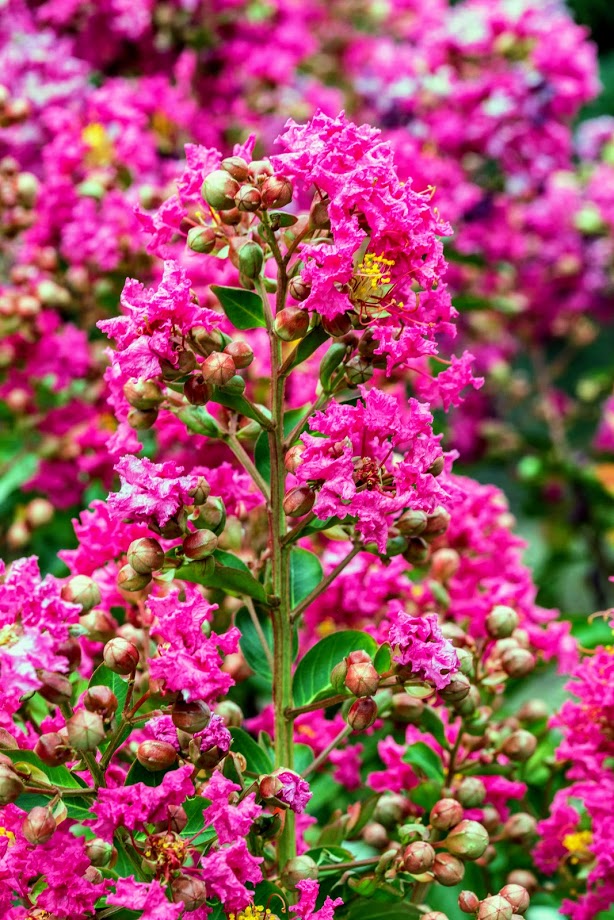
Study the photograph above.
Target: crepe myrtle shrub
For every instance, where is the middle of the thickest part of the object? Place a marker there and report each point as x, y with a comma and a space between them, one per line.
291, 692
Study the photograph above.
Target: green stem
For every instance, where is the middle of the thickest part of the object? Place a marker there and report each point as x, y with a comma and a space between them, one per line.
247, 463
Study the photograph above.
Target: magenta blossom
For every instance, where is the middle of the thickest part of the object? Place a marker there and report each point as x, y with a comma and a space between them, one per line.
418, 644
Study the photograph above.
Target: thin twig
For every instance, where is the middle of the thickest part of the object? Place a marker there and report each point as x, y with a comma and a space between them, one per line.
247, 464
323, 755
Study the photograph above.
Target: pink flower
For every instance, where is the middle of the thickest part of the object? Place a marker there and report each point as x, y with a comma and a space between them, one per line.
150, 491
418, 644
305, 908
148, 897
295, 792
230, 819
228, 870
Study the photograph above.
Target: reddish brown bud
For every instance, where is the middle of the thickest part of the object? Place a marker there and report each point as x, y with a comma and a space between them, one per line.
524, 879
200, 544
11, 787
231, 217
192, 891
7, 741
82, 590
270, 786
338, 326
468, 902
196, 390
520, 828
437, 467
495, 908
520, 745
362, 713
121, 656
248, 198
70, 649
518, 662
407, 709
52, 749
434, 915
230, 713
298, 501
357, 657
276, 192
85, 730
39, 826
375, 835
471, 792
205, 341
437, 523
175, 821
501, 622
448, 870
446, 813
318, 214
99, 852
156, 755
202, 239
259, 170
362, 679
291, 323
99, 624
298, 869
418, 857
240, 352
468, 839
129, 580
100, 699
145, 555
292, 459
518, 897
218, 369
299, 289
445, 563
184, 363
56, 688
219, 190
142, 419
237, 167
191, 717
456, 690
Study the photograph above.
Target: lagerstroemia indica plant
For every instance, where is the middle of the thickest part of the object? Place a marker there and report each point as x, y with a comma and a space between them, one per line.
279, 685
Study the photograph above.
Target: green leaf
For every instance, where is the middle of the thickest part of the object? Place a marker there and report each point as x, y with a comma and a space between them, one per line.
303, 756
258, 761
305, 574
282, 218
323, 856
425, 760
138, 774
57, 776
426, 794
312, 676
262, 453
431, 723
198, 420
244, 309
309, 344
20, 470
228, 573
238, 404
371, 909
383, 659
105, 677
330, 362
251, 644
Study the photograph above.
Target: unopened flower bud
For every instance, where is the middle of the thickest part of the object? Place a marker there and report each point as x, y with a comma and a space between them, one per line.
418, 857
82, 590
437, 467
206, 341
121, 656
362, 713
448, 870
445, 563
237, 167
156, 755
339, 326
235, 386
412, 523
501, 622
192, 891
99, 625
520, 828
145, 555
191, 717
200, 492
495, 908
471, 792
142, 419
211, 515
375, 835
251, 258
520, 745
202, 239
52, 749
358, 370
240, 352
457, 689
143, 394
362, 679
468, 902
101, 699
291, 323
230, 713
337, 677
99, 852
298, 501
518, 897
184, 363
446, 813
196, 390
468, 839
299, 289
85, 730
406, 709
292, 459
219, 190
39, 826
533, 711
248, 198
56, 688
218, 369
11, 787
318, 215
259, 171
417, 552
518, 662
200, 544
276, 192
297, 870
129, 580
437, 522
39, 512
524, 879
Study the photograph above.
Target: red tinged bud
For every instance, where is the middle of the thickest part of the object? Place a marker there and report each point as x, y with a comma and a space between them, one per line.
446, 814
291, 323
375, 835
219, 190
156, 755
437, 523
240, 352
52, 749
85, 730
99, 852
318, 215
269, 786
70, 649
445, 563
56, 688
191, 717
495, 908
39, 826
196, 390
259, 171
298, 501
518, 662
276, 192
83, 591
362, 714
11, 787
458, 688
205, 341
448, 870
520, 745
468, 840
145, 555
202, 239
299, 289
231, 714
237, 167
520, 828
100, 699
292, 459
192, 891
99, 624
468, 902
434, 915
129, 580
121, 656
218, 369
418, 857
142, 419
248, 198
518, 897
533, 711
524, 879
471, 792
297, 870
338, 326
437, 467
501, 622
362, 679
407, 709
200, 544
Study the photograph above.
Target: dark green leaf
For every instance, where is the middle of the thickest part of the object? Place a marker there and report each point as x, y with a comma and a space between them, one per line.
57, 776
244, 309
305, 574
425, 760
258, 761
323, 856
230, 575
309, 344
198, 420
105, 677
138, 774
430, 722
312, 676
330, 362
303, 756
383, 659
251, 644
